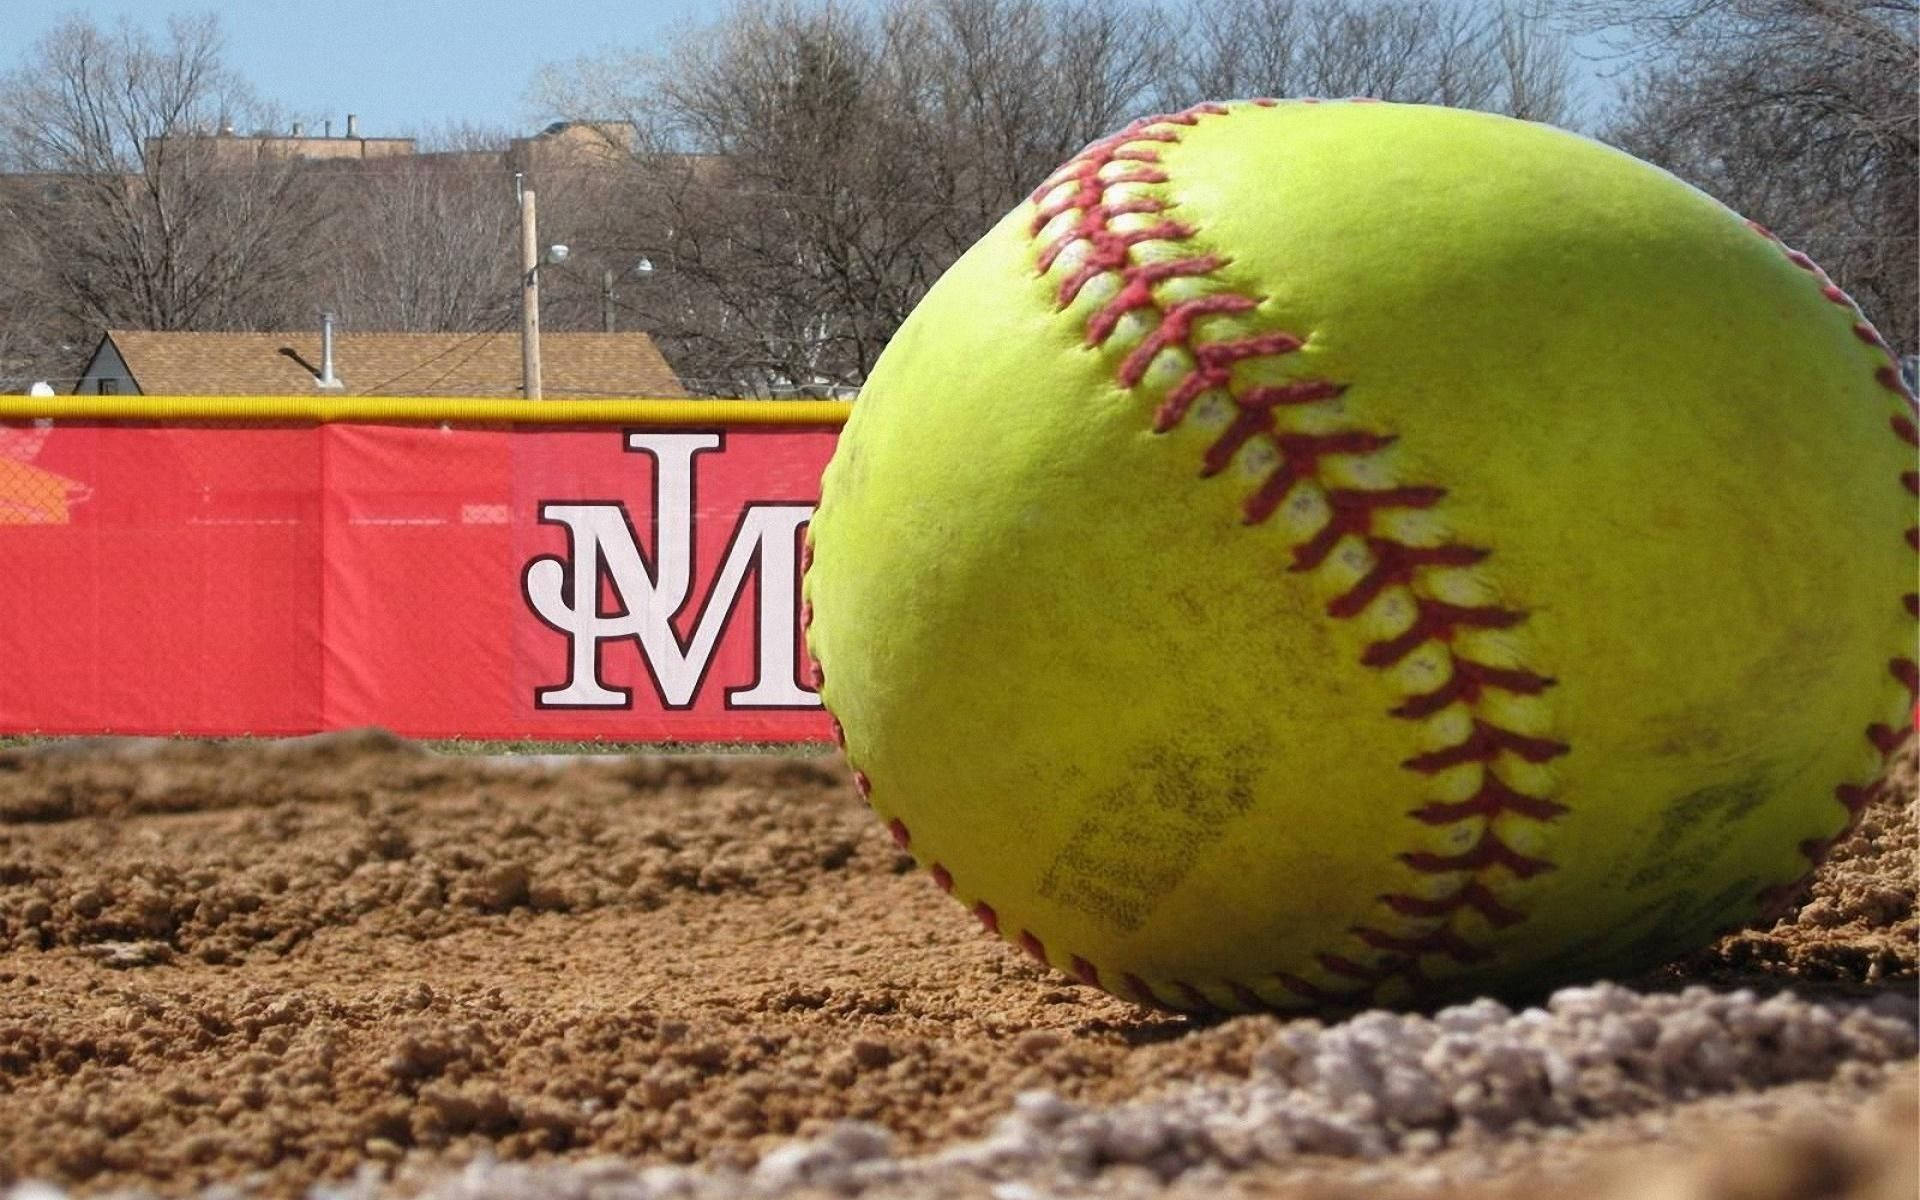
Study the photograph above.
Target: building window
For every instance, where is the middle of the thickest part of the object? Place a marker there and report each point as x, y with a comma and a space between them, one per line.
107, 386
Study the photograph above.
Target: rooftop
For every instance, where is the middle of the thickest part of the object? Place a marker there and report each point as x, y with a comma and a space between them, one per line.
573, 365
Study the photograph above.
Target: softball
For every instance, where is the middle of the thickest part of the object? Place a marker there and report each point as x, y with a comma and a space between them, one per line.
1316, 555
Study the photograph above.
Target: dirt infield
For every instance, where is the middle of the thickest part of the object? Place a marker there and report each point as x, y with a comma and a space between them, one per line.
349, 962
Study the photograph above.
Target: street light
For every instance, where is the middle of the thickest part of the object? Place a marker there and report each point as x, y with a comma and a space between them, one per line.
638, 269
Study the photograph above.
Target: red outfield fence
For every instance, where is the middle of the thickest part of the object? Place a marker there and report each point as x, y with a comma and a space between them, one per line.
443, 568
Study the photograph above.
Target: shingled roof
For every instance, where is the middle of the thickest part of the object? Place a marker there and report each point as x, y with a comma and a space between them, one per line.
573, 365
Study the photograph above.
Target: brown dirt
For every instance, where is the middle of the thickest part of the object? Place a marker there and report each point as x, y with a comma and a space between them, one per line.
1856, 925
277, 964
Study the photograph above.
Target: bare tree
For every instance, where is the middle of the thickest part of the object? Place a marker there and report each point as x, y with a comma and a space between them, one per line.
460, 137
1799, 113
1010, 88
146, 216
35, 341
1537, 69
426, 246
770, 244
1421, 51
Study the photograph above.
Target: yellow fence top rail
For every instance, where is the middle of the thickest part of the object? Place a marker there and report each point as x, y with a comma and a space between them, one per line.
390, 409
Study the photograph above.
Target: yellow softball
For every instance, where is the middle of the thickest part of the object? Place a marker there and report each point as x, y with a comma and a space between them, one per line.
1324, 554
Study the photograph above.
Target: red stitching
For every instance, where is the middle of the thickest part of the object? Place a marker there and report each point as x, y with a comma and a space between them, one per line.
1138, 204
1473, 896
1033, 947
1310, 992
1353, 509
1492, 799
1438, 621
985, 914
1488, 852
1885, 738
1486, 744
1442, 941
1469, 681
1908, 673
1851, 797
1110, 249
1142, 992
1137, 291
1337, 965
1370, 978
1199, 1000
1300, 452
1394, 565
1213, 367
1090, 187
1246, 997
1256, 419
1174, 329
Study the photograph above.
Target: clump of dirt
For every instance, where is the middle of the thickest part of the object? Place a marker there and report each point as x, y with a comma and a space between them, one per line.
274, 964
1855, 922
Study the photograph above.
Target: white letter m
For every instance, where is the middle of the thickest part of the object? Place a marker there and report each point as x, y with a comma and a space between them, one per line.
564, 592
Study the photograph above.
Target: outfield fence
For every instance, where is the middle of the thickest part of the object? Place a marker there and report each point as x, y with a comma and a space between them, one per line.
442, 567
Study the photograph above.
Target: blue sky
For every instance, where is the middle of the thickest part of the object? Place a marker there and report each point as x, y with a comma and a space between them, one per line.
403, 66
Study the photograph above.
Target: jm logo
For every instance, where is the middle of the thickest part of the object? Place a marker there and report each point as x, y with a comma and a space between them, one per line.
565, 591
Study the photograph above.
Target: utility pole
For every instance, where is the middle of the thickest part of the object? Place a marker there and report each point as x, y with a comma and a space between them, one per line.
529, 297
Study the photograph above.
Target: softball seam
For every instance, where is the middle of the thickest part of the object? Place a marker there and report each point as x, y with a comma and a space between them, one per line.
1102, 185
1883, 738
